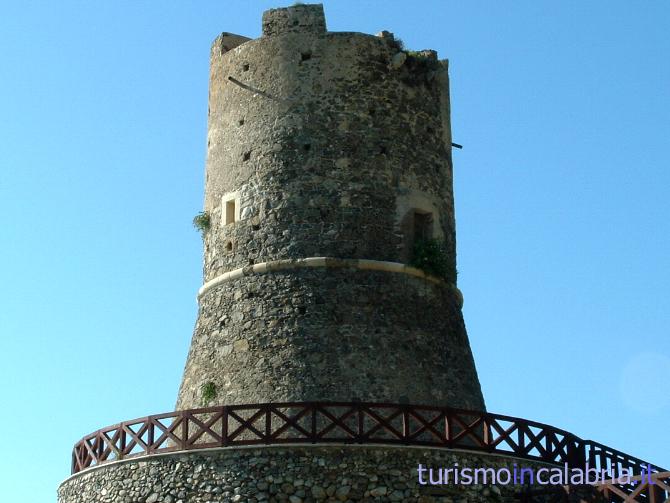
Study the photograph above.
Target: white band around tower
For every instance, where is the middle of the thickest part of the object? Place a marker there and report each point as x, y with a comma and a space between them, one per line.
319, 262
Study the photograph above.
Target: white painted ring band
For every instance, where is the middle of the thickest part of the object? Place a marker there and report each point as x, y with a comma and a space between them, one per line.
319, 262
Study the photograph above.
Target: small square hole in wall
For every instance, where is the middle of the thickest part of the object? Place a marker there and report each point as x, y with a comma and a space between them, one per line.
230, 211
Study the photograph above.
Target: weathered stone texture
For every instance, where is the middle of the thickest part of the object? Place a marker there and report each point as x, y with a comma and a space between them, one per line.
323, 152
299, 18
327, 142
321, 334
319, 145
296, 475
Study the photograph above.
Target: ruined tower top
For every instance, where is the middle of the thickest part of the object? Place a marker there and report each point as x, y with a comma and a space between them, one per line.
329, 250
296, 19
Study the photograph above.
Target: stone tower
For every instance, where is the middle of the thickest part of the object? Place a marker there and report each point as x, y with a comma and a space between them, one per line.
324, 367
328, 158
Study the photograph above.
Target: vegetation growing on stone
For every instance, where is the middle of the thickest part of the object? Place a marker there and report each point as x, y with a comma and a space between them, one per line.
208, 391
422, 60
398, 44
432, 257
202, 222
422, 67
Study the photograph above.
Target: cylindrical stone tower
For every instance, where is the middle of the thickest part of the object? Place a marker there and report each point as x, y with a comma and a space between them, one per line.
328, 167
328, 175
330, 362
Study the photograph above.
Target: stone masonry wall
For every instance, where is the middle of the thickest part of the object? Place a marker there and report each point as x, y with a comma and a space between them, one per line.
322, 334
325, 141
322, 135
295, 475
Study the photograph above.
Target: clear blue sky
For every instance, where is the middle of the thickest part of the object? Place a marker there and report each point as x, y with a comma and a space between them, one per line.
562, 198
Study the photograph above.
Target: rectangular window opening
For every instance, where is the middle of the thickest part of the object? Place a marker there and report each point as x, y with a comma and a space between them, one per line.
230, 211
423, 226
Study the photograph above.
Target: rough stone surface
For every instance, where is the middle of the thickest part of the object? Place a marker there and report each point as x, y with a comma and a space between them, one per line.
299, 474
325, 152
328, 151
335, 334
297, 19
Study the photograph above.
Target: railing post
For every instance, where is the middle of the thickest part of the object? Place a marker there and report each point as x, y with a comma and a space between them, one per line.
268, 423
184, 430
313, 425
405, 424
224, 426
122, 441
150, 435
448, 430
576, 453
100, 447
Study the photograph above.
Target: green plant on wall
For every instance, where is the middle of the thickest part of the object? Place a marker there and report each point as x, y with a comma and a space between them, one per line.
398, 44
208, 391
202, 222
433, 257
421, 61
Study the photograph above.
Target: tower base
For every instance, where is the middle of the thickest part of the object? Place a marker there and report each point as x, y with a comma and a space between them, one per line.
302, 473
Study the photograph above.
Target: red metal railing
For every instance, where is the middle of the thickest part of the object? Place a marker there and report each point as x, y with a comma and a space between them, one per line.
353, 423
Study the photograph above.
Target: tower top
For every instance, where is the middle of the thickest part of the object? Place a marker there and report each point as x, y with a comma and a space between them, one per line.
295, 19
